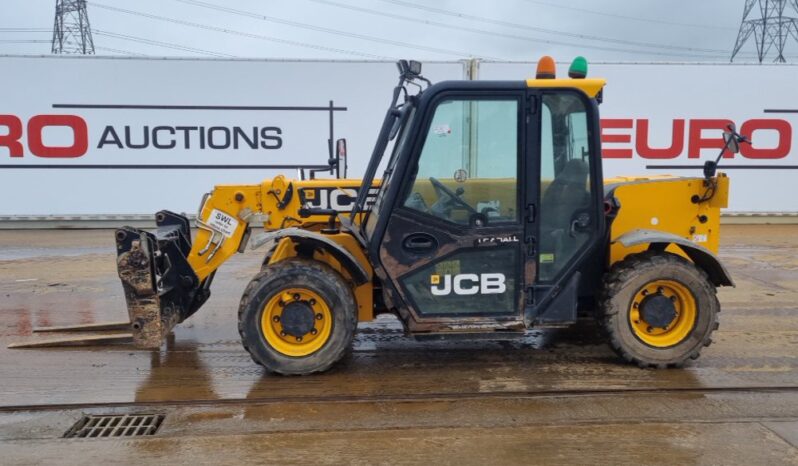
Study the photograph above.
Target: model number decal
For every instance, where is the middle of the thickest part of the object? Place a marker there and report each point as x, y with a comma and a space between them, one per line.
223, 222
497, 239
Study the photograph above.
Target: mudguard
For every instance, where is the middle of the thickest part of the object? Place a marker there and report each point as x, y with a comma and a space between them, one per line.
318, 241
701, 256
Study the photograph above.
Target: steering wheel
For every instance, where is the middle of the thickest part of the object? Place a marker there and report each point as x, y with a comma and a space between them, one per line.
455, 199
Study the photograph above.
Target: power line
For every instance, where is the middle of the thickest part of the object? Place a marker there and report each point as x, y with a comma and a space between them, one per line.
389, 15
237, 33
24, 41
168, 45
486, 32
631, 18
337, 32
123, 52
25, 30
497, 22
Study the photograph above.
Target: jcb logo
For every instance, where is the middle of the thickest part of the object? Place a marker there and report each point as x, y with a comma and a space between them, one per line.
340, 200
467, 284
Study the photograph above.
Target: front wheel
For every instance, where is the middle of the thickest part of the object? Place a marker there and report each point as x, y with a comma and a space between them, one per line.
297, 317
659, 309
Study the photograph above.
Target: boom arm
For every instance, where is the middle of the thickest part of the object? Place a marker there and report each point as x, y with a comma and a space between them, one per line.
167, 276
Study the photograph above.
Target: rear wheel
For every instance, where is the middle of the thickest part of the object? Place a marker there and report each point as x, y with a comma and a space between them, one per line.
297, 317
659, 309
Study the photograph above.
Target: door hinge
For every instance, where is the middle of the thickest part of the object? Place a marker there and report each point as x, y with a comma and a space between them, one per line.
530, 296
531, 246
532, 105
531, 212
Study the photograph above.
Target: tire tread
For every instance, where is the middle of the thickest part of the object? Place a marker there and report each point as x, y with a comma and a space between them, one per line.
618, 276
306, 266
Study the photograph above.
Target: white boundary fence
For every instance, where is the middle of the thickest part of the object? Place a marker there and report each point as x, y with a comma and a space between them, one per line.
91, 141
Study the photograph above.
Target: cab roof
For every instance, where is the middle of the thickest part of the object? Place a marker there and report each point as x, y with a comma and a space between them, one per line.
590, 86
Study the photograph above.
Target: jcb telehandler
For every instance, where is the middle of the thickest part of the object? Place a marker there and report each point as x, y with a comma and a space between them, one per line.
491, 217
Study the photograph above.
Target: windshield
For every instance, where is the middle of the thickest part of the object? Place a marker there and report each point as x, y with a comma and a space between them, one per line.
404, 121
402, 114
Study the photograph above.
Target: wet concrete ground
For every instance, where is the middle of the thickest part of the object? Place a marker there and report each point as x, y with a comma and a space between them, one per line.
556, 396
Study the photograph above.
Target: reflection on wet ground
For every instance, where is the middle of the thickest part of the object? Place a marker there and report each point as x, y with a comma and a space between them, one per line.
756, 346
209, 385
11, 253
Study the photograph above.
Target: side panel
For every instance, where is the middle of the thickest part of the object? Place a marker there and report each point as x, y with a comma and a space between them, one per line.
666, 205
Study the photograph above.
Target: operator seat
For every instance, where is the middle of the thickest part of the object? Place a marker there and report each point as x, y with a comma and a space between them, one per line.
566, 195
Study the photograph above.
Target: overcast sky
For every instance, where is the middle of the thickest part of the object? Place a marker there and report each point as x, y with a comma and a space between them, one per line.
607, 30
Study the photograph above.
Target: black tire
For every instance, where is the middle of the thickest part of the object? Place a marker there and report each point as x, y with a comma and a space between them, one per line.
308, 274
629, 276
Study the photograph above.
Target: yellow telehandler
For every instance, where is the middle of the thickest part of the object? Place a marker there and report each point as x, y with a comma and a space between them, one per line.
491, 217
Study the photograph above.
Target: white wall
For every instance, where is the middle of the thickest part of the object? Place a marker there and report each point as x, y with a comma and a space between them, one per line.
660, 93
33, 84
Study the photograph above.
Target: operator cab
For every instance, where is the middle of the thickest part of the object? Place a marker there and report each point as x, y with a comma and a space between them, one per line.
489, 203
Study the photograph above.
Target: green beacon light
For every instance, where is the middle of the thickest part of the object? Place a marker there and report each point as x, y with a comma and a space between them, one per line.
578, 69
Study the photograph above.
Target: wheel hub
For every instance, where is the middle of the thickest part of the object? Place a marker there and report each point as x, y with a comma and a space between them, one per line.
658, 310
297, 318
296, 322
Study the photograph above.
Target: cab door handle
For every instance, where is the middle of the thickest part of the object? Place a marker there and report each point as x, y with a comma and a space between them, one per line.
419, 242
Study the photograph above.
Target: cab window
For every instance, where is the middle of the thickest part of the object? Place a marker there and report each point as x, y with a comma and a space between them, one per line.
468, 167
566, 219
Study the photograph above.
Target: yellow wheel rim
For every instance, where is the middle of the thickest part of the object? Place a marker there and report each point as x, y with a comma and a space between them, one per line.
296, 340
675, 331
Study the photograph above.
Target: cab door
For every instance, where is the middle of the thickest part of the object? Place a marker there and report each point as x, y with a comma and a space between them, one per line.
569, 222
454, 247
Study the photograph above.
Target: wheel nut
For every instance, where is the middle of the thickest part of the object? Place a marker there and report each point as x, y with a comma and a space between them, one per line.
314, 331
282, 334
276, 318
644, 292
312, 302
319, 316
649, 329
298, 339
660, 290
282, 304
673, 299
296, 296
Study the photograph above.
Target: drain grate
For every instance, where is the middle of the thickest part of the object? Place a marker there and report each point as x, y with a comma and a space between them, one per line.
115, 425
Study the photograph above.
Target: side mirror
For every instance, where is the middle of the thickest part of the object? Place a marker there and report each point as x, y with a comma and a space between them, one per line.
403, 66
409, 68
340, 156
415, 67
731, 142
